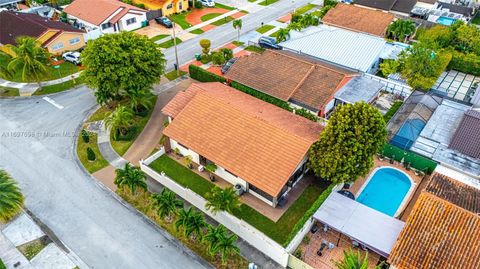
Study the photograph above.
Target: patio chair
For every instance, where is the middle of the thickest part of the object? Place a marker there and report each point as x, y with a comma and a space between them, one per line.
322, 247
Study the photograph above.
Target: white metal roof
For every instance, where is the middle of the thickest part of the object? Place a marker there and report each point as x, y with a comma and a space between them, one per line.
350, 49
370, 227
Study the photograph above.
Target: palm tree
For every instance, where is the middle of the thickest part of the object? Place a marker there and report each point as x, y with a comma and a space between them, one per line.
119, 121
219, 199
353, 260
11, 198
213, 237
141, 100
401, 29
237, 24
28, 57
283, 34
131, 177
191, 221
297, 26
226, 247
166, 203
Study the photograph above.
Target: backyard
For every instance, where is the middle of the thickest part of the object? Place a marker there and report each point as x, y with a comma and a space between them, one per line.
281, 231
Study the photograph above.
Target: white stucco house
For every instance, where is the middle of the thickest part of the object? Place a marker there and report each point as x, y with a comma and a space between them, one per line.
105, 16
256, 145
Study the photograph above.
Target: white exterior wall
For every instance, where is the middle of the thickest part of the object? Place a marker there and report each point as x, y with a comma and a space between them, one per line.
184, 151
139, 19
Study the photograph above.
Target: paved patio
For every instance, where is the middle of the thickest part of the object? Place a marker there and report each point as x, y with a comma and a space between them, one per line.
456, 85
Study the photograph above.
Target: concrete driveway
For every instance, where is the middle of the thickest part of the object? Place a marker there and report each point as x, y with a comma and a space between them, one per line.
37, 148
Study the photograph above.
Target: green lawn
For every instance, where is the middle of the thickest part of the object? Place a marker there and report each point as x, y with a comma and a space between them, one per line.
158, 37
274, 34
267, 2
304, 9
59, 87
223, 21
280, 231
197, 31
179, 18
254, 49
218, 5
51, 73
265, 28
210, 16
172, 75
238, 43
8, 92
99, 162
475, 20
169, 43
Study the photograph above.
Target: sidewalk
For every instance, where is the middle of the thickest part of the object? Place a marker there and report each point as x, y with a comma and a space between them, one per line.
29, 88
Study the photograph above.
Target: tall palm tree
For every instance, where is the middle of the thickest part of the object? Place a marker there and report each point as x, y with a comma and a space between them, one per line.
226, 247
28, 58
237, 24
353, 260
401, 29
119, 121
213, 237
192, 222
297, 26
11, 198
131, 177
219, 199
282, 34
166, 203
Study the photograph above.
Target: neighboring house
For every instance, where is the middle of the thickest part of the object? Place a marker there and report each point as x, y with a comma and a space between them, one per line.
9, 4
359, 19
106, 16
401, 7
254, 144
55, 36
443, 229
168, 7
43, 11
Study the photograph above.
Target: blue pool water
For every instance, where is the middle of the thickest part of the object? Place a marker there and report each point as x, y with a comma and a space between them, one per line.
445, 21
408, 133
385, 191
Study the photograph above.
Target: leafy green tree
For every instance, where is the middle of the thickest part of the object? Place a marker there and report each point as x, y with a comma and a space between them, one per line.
389, 67
297, 26
237, 24
219, 199
11, 198
353, 260
120, 65
192, 222
119, 121
436, 37
282, 34
345, 149
308, 20
467, 38
226, 246
27, 58
227, 53
401, 29
141, 100
218, 58
131, 177
167, 204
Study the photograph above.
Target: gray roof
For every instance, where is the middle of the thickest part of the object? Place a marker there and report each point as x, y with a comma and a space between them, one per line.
359, 89
6, 2
353, 50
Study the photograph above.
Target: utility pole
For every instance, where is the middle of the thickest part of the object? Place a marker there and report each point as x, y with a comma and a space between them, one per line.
176, 52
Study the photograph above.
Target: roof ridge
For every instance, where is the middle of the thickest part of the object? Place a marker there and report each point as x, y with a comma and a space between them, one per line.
302, 81
317, 63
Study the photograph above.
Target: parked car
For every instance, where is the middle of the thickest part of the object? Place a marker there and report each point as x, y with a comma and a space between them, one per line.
267, 42
72, 56
164, 21
228, 64
208, 3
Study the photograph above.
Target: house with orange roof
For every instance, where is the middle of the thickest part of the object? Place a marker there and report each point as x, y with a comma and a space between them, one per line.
168, 7
105, 16
256, 146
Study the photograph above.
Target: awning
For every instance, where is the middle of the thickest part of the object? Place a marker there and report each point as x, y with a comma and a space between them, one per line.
369, 227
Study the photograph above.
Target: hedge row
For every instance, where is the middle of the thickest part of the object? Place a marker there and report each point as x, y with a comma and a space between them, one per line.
203, 75
466, 63
306, 114
262, 96
416, 161
392, 111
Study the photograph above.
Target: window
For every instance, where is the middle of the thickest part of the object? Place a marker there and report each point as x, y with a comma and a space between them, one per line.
170, 6
180, 6
132, 20
74, 40
57, 46
106, 25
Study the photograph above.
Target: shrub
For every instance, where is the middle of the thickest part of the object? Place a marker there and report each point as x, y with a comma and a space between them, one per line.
128, 136
2, 265
205, 44
90, 154
306, 114
261, 96
203, 75
227, 53
198, 4
466, 63
218, 58
85, 136
206, 58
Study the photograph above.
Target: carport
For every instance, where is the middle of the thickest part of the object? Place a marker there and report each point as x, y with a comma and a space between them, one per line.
369, 227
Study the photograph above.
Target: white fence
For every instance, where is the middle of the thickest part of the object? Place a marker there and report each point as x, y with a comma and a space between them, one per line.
392, 86
93, 34
244, 230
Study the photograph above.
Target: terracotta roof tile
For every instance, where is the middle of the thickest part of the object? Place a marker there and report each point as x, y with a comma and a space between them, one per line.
467, 137
257, 141
359, 19
83, 9
287, 76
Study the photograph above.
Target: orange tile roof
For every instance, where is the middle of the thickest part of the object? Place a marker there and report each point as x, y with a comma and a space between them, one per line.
288, 76
256, 141
438, 234
98, 11
359, 19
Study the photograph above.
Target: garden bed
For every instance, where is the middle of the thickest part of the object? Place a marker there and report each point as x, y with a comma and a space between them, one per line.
91, 166
8, 92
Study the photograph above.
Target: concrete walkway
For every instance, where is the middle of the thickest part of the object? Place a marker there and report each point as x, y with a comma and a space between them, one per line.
30, 88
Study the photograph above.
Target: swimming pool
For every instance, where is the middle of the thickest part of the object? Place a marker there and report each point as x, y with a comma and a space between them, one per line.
408, 133
445, 21
386, 190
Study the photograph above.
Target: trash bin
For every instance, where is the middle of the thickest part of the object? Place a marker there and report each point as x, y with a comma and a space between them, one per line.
198, 56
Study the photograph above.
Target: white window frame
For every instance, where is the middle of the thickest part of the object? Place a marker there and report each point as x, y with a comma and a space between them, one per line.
131, 21
57, 46
74, 41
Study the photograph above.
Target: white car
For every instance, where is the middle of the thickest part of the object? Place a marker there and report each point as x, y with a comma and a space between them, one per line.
72, 56
208, 3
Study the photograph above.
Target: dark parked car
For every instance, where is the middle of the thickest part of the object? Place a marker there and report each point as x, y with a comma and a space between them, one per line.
164, 21
227, 65
267, 42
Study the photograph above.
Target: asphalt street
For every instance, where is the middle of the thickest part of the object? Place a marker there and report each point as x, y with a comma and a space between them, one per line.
37, 148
